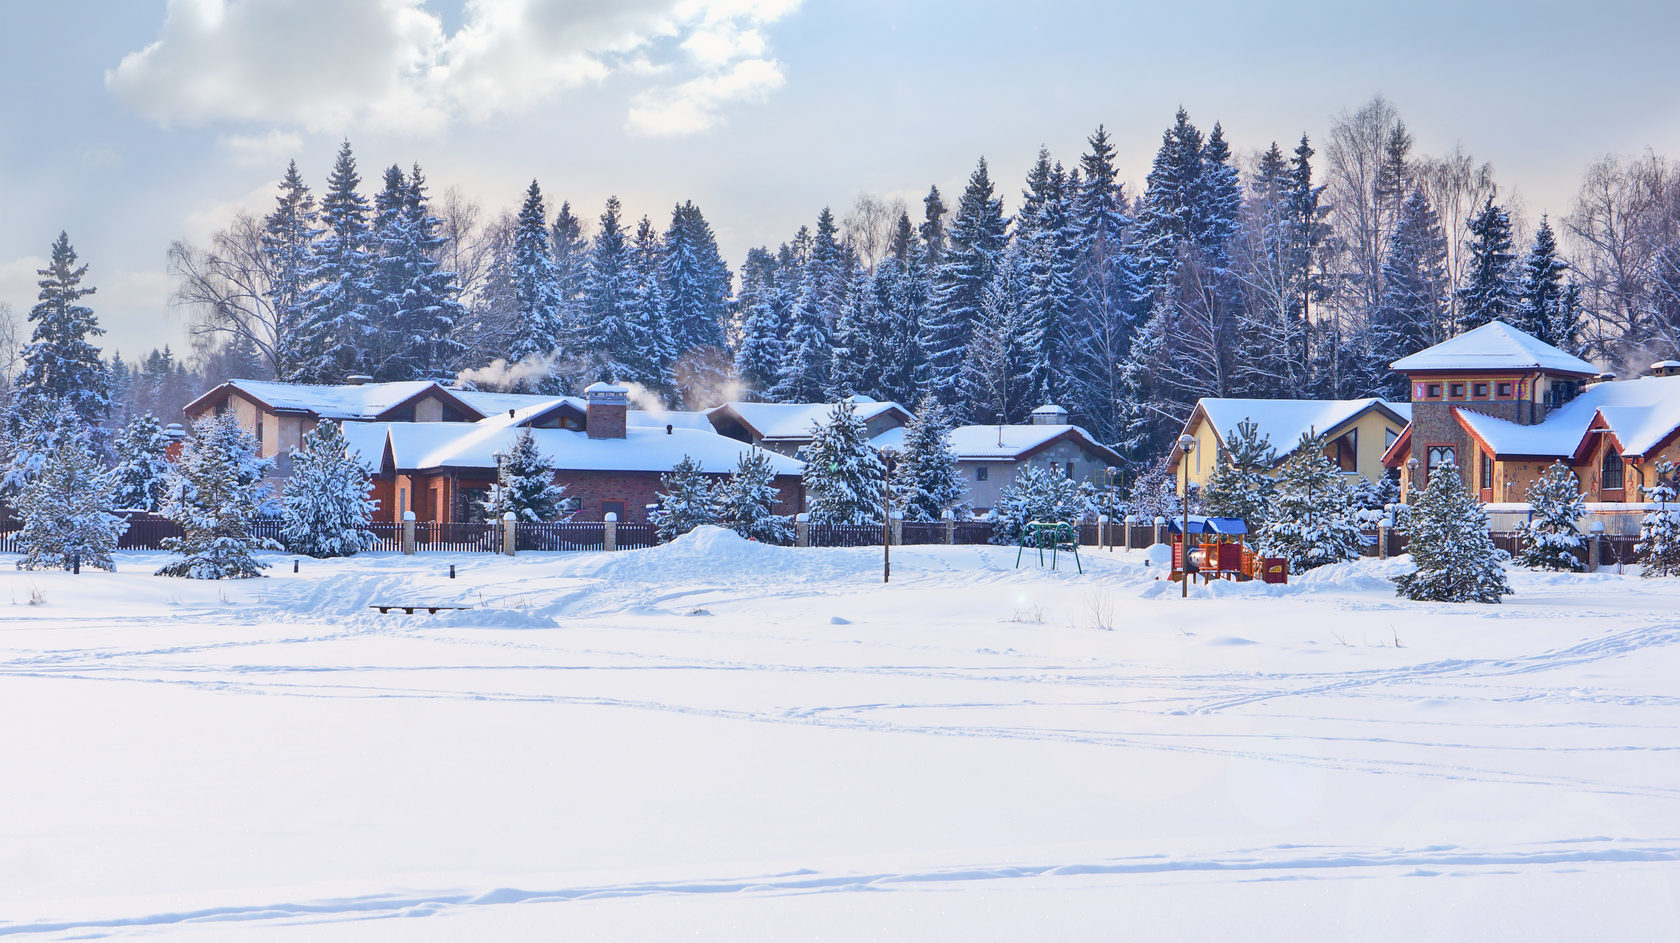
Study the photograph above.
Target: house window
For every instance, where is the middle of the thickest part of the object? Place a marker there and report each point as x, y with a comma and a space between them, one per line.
1487, 472
1070, 468
1455, 391
1433, 391
612, 507
1504, 390
981, 473
1441, 454
1610, 478
1389, 438
1480, 390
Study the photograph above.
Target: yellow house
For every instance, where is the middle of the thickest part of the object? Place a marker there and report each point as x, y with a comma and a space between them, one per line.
1357, 432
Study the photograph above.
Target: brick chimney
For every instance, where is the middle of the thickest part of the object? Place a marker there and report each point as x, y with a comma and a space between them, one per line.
608, 409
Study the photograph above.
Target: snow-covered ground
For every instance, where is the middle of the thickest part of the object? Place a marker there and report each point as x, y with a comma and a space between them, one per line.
722, 741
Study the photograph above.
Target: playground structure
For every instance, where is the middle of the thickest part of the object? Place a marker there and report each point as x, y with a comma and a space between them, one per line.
1222, 554
1055, 536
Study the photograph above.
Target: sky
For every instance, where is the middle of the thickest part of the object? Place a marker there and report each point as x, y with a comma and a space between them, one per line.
133, 124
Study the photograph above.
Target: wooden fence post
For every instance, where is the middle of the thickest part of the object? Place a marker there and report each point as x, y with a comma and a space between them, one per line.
510, 534
802, 530
408, 533
609, 528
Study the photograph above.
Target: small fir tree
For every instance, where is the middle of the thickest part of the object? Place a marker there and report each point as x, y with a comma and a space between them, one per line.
67, 509
687, 501
1037, 494
1311, 520
525, 485
1449, 542
327, 505
927, 480
746, 501
1552, 539
1658, 550
843, 474
1240, 486
216, 493
142, 474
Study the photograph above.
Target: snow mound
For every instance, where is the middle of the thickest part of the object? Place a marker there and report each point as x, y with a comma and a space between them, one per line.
493, 619
708, 551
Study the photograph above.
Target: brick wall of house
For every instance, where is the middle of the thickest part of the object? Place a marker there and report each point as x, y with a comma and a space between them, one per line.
637, 490
607, 420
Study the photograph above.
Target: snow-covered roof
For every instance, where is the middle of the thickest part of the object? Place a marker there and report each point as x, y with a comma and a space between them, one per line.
341, 401
1640, 412
1009, 442
797, 420
890, 440
1283, 421
644, 448
1049, 409
1494, 346
490, 403
367, 440
1665, 365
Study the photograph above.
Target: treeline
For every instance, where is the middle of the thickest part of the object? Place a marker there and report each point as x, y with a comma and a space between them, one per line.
1299, 271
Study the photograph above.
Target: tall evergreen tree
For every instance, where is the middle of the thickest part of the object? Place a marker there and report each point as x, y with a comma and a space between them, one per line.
696, 283
338, 322
640, 347
1412, 311
67, 510
141, 477
1447, 536
607, 297
1553, 539
1490, 291
1311, 520
535, 288
61, 366
686, 501
971, 261
571, 265
525, 486
843, 474
807, 371
1109, 293
927, 482
216, 493
1540, 311
998, 383
289, 236
1241, 484
746, 501
760, 349
327, 509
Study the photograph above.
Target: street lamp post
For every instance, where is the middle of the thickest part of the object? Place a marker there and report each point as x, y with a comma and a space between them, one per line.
1186, 445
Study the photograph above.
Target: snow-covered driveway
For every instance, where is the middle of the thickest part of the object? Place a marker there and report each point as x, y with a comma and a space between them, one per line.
714, 740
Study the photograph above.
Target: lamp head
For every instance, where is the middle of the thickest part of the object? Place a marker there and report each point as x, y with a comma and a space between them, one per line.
1187, 442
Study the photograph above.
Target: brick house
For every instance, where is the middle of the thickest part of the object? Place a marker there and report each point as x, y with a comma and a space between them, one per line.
444, 471
1503, 406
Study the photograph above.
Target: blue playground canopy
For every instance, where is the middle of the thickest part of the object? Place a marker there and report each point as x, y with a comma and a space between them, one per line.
1215, 526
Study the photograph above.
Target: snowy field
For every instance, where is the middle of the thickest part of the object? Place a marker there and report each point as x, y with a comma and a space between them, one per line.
722, 741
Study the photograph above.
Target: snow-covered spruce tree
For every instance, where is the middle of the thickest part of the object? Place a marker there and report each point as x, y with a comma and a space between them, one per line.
1552, 539
141, 477
1449, 542
927, 482
687, 501
1240, 486
746, 501
1542, 290
1042, 494
1490, 291
525, 485
60, 362
535, 293
1311, 520
979, 233
843, 475
696, 285
67, 509
1658, 550
215, 492
1154, 494
334, 334
326, 501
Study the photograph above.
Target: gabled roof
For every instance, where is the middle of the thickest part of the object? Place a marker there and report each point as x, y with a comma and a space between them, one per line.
423, 446
362, 402
1015, 442
1642, 414
1495, 346
1283, 421
796, 421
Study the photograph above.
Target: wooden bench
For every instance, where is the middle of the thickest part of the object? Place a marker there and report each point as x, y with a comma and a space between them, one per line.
409, 607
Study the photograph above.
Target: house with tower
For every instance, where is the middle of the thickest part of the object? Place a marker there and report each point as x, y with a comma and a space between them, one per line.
1503, 405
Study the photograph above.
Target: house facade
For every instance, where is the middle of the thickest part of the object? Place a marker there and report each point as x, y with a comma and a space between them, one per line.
1503, 406
1357, 432
785, 428
988, 457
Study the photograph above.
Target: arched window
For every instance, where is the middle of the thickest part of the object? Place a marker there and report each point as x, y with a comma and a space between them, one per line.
1610, 476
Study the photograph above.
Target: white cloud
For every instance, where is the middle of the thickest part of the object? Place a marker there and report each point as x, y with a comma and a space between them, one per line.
328, 65
102, 155
261, 150
696, 105
18, 280
211, 218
